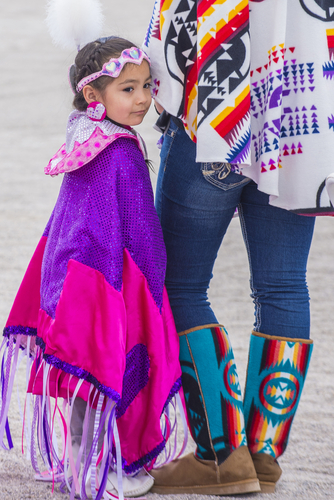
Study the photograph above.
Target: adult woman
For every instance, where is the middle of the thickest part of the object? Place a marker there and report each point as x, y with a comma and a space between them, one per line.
265, 123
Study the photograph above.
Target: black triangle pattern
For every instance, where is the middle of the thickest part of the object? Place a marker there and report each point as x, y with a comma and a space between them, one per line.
222, 74
180, 42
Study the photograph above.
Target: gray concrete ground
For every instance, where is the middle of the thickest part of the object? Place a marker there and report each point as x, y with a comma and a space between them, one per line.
35, 101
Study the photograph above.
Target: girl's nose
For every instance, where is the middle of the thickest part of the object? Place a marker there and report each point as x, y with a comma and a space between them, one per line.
143, 96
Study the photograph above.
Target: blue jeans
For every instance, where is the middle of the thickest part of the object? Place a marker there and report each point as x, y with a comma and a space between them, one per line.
195, 215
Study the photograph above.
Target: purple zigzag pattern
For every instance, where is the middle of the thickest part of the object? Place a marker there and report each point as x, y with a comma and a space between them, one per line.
154, 23
240, 150
328, 70
331, 122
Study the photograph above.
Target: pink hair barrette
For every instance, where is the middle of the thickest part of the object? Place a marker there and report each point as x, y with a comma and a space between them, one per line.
113, 67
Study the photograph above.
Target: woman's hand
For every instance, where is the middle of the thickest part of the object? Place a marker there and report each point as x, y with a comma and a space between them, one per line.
158, 107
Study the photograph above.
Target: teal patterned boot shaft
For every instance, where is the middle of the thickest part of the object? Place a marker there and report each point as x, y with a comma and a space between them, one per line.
275, 378
212, 392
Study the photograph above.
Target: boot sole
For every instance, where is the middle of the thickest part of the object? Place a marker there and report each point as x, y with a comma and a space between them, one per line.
238, 488
267, 487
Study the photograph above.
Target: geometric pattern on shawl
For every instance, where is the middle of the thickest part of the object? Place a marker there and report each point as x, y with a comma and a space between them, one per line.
201, 68
254, 96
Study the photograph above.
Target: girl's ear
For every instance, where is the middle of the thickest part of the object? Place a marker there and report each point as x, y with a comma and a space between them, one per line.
90, 94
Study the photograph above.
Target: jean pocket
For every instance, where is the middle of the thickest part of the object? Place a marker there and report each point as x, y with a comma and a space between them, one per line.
222, 176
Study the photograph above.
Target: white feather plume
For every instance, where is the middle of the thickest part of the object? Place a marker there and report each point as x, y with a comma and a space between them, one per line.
73, 23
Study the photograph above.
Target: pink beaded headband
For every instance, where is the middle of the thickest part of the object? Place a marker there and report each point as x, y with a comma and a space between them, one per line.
114, 66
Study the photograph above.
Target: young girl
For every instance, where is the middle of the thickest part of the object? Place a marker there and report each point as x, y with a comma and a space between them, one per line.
92, 309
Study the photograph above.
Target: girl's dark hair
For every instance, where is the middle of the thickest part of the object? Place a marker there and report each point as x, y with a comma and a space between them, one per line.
90, 59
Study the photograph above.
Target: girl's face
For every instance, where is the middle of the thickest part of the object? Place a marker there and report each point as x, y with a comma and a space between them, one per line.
128, 97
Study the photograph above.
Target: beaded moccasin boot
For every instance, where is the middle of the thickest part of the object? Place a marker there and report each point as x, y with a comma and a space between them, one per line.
221, 464
276, 372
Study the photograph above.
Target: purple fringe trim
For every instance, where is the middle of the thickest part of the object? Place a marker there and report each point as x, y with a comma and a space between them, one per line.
176, 387
107, 391
82, 374
17, 330
138, 464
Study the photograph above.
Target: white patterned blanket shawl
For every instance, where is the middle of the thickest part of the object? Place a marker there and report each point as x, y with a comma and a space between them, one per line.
253, 82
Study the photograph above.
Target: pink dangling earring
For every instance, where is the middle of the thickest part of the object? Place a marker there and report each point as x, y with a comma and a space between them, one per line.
96, 111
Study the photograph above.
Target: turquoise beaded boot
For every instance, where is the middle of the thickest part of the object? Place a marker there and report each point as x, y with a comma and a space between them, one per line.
276, 373
221, 464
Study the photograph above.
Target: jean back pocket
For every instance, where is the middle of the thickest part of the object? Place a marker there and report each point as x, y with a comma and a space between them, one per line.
223, 175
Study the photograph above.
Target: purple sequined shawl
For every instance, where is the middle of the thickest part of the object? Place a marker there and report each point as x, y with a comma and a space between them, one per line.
102, 208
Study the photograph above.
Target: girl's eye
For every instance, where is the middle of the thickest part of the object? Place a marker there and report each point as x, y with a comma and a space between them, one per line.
128, 89
147, 85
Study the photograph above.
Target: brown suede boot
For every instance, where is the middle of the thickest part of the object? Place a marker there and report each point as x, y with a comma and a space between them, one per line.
236, 475
268, 471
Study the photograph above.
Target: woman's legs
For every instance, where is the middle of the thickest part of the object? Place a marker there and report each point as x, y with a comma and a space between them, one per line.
278, 244
194, 216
